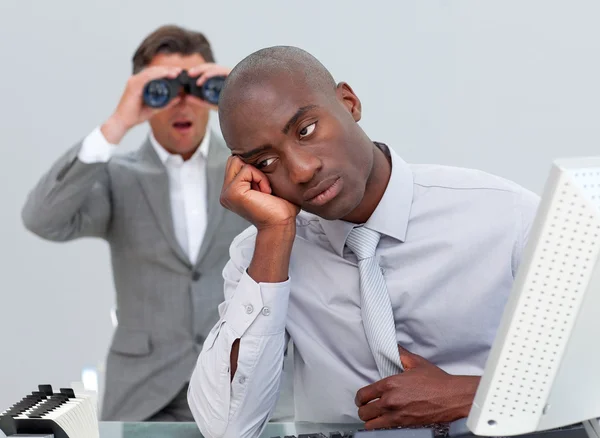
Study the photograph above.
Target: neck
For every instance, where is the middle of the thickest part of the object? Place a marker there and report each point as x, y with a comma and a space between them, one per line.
186, 155
374, 189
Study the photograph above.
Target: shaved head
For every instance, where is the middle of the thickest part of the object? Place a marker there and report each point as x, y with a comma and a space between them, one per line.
299, 66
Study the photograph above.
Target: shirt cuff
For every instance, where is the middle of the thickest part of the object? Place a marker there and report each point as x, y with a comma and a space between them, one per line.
95, 148
259, 309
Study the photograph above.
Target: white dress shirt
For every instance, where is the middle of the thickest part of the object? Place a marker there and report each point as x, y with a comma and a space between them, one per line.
187, 186
451, 242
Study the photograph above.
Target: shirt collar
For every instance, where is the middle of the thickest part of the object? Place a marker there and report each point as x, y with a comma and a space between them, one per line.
391, 216
164, 155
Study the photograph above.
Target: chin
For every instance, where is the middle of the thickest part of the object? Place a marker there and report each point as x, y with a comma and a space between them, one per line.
185, 147
333, 210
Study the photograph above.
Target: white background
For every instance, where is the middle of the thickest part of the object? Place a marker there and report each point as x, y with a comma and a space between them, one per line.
504, 86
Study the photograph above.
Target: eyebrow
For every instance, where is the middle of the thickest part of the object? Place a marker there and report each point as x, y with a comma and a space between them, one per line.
246, 155
301, 111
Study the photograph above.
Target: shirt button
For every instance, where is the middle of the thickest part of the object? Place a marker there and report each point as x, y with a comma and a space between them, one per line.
196, 276
242, 380
249, 309
266, 311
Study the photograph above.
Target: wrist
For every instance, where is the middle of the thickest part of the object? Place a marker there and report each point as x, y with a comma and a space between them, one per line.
114, 129
284, 228
285, 231
464, 388
277, 241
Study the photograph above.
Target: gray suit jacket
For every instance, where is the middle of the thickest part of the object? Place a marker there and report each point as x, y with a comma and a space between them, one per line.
166, 307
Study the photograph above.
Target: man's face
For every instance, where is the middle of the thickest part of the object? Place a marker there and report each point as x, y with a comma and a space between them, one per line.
180, 129
306, 142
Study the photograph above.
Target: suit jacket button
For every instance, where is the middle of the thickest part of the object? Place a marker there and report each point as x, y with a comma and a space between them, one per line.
199, 339
196, 276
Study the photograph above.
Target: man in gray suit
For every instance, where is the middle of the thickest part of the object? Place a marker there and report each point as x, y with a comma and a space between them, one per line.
159, 210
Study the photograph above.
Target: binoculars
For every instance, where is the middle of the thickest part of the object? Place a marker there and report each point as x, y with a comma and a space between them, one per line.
159, 92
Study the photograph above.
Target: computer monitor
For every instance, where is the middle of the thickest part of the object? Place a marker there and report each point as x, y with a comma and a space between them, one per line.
543, 370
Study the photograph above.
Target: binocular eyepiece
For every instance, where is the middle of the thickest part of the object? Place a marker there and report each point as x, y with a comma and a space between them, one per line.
159, 92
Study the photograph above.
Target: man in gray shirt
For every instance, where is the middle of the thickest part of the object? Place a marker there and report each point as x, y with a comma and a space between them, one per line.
389, 278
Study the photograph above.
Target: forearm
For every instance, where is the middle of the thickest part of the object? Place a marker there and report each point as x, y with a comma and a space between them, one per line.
114, 129
273, 248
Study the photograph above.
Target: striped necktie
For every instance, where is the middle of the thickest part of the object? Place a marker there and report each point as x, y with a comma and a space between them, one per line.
376, 307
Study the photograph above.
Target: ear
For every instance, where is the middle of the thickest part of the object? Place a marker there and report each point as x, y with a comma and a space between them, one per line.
350, 100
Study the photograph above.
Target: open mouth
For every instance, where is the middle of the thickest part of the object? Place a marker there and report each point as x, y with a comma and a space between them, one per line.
182, 125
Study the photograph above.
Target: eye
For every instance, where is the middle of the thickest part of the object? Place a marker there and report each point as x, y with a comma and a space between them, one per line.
307, 130
264, 163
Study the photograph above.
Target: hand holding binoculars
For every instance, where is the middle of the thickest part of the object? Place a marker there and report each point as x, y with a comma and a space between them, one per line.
159, 92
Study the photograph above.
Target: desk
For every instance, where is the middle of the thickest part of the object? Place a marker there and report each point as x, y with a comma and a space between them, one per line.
190, 430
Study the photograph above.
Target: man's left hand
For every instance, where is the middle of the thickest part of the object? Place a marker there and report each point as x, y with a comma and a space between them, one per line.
422, 394
207, 71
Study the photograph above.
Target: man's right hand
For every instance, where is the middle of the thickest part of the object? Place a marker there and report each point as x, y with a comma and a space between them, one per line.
131, 110
247, 192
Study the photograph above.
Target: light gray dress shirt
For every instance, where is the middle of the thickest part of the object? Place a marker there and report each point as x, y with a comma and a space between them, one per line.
451, 243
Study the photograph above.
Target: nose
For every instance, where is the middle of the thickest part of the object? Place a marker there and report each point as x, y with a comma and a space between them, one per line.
302, 164
183, 97
182, 93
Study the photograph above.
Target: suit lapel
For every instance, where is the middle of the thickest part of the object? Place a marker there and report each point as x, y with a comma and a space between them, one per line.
215, 173
155, 184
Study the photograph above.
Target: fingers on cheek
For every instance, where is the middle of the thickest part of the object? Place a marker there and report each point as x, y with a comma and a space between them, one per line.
240, 172
265, 185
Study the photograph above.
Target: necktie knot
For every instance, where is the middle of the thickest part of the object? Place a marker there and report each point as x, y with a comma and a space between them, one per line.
363, 242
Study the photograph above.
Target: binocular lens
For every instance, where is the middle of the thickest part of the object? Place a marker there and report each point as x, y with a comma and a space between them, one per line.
211, 89
157, 93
